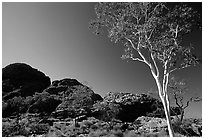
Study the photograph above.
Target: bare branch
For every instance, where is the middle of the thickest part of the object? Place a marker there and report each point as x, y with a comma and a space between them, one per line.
187, 104
176, 99
165, 79
155, 64
139, 52
137, 59
150, 35
166, 83
154, 9
177, 69
133, 46
176, 32
181, 101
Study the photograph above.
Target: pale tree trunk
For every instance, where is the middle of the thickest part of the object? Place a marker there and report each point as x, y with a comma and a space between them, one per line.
168, 118
165, 101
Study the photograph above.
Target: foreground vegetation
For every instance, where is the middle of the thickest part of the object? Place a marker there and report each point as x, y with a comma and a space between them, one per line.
33, 125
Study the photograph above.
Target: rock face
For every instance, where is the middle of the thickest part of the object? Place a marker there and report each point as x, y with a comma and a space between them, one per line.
125, 106
77, 99
23, 77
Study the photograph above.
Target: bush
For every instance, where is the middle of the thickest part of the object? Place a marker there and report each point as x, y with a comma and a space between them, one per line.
39, 128
14, 129
106, 111
42, 103
184, 128
99, 133
14, 106
130, 133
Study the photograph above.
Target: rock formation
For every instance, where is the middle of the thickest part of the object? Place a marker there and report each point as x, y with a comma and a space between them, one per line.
77, 99
125, 106
20, 79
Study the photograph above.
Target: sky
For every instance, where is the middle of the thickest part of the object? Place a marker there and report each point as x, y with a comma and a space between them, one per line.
55, 39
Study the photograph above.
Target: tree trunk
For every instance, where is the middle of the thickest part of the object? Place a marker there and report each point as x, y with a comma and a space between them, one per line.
182, 115
168, 117
166, 106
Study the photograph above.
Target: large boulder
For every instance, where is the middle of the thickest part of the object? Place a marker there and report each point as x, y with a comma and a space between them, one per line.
147, 125
24, 78
77, 99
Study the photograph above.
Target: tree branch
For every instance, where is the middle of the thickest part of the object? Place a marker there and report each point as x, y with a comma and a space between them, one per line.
152, 57
137, 59
151, 33
139, 52
176, 31
176, 99
133, 46
165, 79
155, 64
181, 101
154, 9
187, 104
137, 49
177, 69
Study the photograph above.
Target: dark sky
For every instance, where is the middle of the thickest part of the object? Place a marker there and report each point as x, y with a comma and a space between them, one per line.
54, 38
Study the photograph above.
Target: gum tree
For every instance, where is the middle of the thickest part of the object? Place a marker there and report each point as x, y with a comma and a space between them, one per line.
150, 33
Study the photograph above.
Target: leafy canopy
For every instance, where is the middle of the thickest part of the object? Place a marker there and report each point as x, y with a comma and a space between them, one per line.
149, 30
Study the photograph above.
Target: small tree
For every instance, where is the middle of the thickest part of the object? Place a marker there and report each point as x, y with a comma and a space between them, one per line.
178, 90
151, 33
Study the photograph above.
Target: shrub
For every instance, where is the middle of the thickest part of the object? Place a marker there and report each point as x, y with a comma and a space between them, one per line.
98, 133
117, 133
87, 123
39, 128
183, 128
42, 103
106, 111
14, 106
130, 133
14, 128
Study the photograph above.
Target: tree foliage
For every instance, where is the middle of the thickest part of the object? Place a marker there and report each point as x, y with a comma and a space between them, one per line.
154, 27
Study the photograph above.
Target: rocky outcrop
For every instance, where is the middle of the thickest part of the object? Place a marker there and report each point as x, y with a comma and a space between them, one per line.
24, 78
21, 81
125, 106
77, 99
